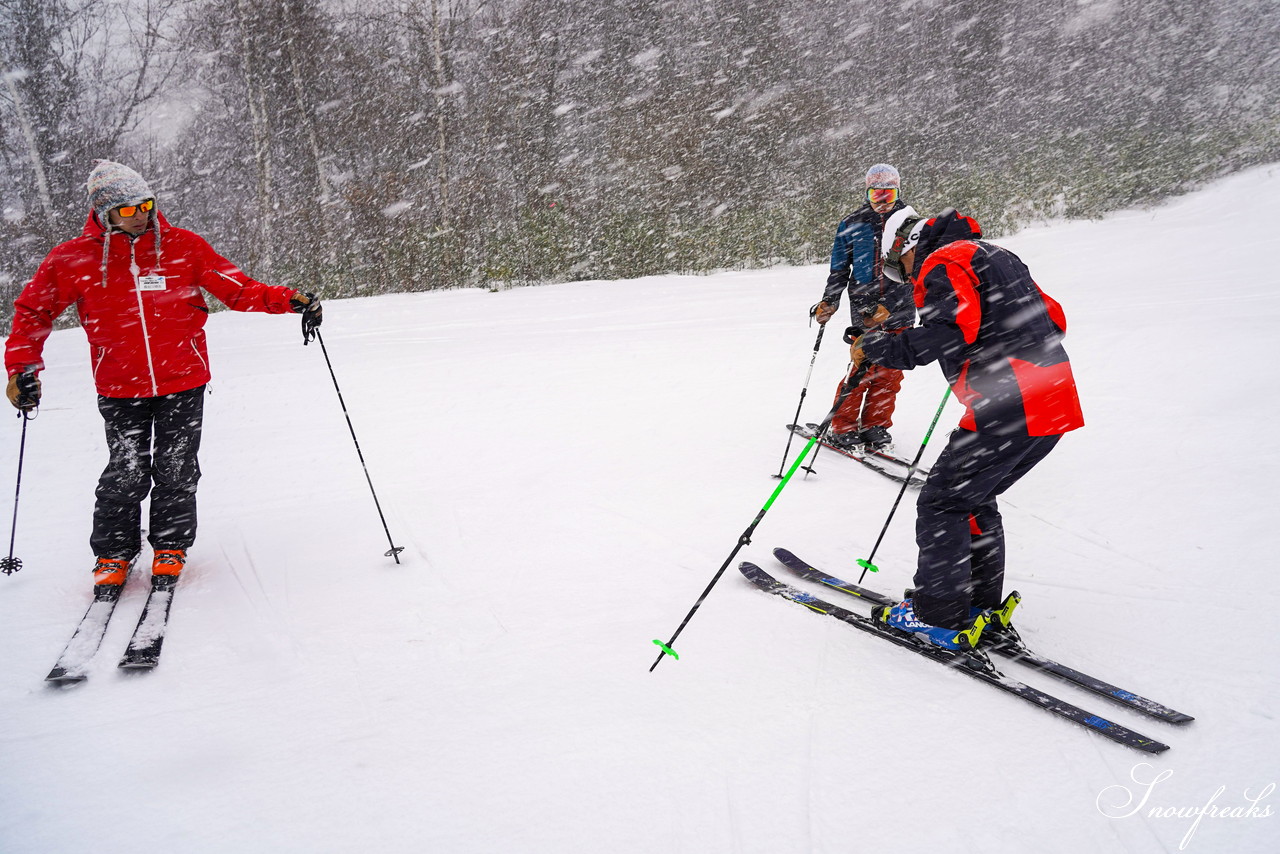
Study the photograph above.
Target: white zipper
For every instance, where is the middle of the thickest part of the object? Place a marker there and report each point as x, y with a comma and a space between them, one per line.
142, 316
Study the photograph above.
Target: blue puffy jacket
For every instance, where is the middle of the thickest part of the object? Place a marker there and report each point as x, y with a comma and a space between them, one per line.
856, 267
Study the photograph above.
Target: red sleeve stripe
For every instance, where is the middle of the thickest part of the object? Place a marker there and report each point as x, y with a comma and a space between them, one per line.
956, 261
1056, 314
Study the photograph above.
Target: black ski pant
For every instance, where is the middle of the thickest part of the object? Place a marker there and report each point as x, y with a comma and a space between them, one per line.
958, 527
153, 442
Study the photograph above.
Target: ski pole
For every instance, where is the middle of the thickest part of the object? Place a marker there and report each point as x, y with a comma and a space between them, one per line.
745, 539
822, 431
867, 564
11, 564
395, 550
849, 338
803, 391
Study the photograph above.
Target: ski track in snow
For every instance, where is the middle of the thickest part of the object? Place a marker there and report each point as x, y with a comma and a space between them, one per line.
567, 466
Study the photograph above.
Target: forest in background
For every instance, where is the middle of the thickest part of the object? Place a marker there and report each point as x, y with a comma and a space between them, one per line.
403, 145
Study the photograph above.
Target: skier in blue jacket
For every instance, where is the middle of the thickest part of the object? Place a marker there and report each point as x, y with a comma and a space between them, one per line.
867, 413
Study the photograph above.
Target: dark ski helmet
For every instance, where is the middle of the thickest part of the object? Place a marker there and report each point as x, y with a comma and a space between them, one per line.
901, 234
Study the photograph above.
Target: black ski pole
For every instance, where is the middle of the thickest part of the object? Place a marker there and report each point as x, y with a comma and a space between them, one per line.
867, 564
826, 425
805, 390
395, 550
850, 384
849, 338
11, 564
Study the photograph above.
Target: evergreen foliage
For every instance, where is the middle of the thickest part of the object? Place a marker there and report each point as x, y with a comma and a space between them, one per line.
405, 145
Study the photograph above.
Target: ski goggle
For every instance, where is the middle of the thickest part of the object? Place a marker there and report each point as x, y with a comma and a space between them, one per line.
126, 211
883, 196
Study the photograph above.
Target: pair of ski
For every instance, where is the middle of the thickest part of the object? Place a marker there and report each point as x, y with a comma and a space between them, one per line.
143, 652
893, 467
976, 663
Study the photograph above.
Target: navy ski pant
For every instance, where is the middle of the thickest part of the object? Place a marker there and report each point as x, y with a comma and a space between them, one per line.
958, 527
153, 442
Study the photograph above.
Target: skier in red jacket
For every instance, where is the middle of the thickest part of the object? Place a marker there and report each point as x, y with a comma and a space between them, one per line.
136, 282
998, 340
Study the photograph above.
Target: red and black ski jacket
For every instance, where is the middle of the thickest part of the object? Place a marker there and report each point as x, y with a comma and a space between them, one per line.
995, 334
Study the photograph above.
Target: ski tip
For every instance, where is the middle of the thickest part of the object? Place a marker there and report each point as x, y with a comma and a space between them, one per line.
759, 577
61, 677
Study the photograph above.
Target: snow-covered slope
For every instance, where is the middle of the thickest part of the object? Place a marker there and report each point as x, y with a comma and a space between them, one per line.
567, 466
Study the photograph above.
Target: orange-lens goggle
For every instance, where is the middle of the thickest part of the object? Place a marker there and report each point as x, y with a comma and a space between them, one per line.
130, 210
882, 195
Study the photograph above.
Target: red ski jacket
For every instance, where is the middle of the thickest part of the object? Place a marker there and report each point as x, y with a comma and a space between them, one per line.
144, 315
996, 335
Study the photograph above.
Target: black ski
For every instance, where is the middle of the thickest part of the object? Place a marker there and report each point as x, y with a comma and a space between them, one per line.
915, 480
73, 664
879, 454
83, 646
973, 664
144, 647
1009, 645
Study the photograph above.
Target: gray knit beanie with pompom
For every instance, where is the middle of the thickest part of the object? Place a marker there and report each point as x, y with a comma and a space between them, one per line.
113, 184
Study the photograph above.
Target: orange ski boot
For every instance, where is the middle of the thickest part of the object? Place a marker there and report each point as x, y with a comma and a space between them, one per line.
168, 562
110, 572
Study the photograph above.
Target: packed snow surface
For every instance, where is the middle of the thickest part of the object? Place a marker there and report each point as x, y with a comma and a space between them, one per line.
566, 467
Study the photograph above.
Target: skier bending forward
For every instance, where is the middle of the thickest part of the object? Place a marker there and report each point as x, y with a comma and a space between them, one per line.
997, 338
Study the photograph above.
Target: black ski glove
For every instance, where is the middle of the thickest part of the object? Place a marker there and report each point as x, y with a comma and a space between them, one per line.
308, 305
24, 390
